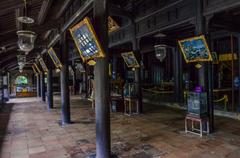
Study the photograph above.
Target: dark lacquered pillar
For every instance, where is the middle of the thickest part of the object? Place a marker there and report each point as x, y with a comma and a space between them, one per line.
205, 72
178, 76
74, 83
50, 88
114, 66
138, 81
43, 90
2, 91
38, 85
65, 97
86, 81
101, 79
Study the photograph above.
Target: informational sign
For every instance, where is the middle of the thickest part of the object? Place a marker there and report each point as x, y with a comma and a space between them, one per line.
37, 68
228, 57
130, 59
54, 58
86, 40
195, 49
44, 66
34, 70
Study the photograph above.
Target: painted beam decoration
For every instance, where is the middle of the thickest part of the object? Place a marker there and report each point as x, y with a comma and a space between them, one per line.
54, 58
195, 49
34, 70
44, 66
86, 40
37, 68
112, 25
130, 59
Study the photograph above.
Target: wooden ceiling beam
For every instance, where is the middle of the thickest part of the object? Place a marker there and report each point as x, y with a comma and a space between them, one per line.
46, 4
120, 12
7, 9
65, 5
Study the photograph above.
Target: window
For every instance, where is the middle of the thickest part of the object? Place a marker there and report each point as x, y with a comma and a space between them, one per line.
21, 80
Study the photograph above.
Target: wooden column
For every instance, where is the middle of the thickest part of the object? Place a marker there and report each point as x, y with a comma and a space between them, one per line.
114, 66
86, 81
101, 79
178, 75
74, 82
39, 85
205, 72
138, 80
65, 98
2, 91
50, 88
43, 91
199, 31
209, 77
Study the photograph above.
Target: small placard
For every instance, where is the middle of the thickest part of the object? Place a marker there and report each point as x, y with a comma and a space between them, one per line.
42, 63
55, 58
130, 59
86, 40
195, 49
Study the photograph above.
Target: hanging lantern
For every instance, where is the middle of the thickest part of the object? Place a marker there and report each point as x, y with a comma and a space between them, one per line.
26, 40
160, 52
21, 60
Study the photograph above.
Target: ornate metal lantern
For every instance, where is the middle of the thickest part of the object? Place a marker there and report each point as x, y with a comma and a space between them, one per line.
21, 60
26, 40
161, 52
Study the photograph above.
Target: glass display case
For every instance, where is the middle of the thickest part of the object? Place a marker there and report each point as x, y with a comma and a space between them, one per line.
197, 103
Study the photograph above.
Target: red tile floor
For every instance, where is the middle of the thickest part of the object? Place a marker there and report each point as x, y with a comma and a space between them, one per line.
28, 130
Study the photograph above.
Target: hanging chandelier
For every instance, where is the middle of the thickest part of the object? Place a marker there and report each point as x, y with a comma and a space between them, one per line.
26, 38
21, 60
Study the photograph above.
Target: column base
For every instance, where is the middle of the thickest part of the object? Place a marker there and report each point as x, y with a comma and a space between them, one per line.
95, 156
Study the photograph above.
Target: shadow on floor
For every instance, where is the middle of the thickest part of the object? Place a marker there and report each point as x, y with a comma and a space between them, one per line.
4, 120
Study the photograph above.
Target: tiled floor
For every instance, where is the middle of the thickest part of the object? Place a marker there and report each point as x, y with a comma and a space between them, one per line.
28, 130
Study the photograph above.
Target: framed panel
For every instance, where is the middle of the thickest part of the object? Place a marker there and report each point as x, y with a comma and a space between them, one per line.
86, 40
130, 59
44, 66
37, 68
34, 70
54, 58
195, 49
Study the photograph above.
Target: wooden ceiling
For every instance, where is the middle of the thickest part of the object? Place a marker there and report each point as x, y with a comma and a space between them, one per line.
45, 20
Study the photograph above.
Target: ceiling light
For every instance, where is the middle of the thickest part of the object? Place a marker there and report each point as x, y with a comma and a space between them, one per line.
26, 40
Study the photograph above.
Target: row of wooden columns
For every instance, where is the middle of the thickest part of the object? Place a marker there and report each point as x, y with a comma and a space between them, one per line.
102, 110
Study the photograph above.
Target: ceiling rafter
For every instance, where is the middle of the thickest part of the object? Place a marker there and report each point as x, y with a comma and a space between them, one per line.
46, 4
